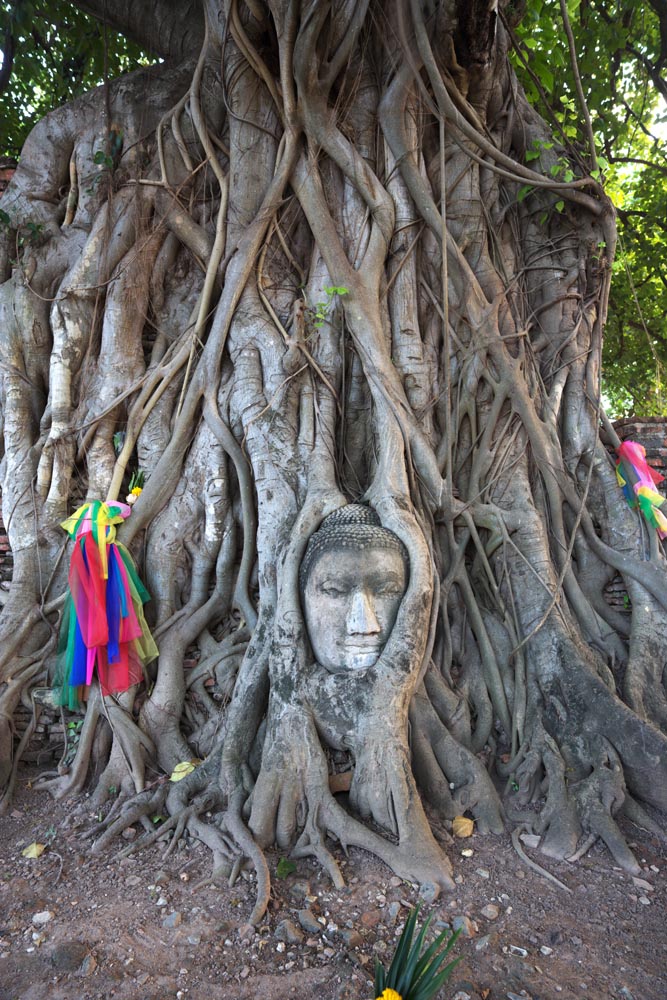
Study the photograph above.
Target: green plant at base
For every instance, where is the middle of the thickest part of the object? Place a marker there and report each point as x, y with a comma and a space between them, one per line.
411, 976
285, 868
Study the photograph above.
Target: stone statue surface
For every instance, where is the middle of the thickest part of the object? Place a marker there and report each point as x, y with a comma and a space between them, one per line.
353, 577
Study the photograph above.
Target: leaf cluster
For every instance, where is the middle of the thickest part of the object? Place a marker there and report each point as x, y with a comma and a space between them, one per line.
620, 57
413, 975
52, 52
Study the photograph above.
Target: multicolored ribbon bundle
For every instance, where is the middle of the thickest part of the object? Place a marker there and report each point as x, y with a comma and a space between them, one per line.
632, 465
103, 624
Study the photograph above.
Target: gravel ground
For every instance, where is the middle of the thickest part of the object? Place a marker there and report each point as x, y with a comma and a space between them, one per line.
77, 927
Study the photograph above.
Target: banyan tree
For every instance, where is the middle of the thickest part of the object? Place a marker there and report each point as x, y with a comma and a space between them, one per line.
327, 280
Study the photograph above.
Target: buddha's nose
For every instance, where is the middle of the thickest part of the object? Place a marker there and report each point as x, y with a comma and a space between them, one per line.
361, 619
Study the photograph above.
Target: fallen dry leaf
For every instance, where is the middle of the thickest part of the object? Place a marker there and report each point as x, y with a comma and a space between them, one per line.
33, 850
182, 770
462, 826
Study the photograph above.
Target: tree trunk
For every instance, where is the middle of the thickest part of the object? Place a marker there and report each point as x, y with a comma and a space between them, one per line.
305, 273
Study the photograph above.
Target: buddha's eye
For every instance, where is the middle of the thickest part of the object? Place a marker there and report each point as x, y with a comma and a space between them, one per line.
332, 591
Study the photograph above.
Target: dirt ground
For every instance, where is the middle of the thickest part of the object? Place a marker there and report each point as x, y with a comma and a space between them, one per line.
77, 927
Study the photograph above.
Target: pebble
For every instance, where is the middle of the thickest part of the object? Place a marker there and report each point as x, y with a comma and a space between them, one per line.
483, 943
280, 946
162, 901
369, 919
515, 950
465, 925
194, 939
490, 911
174, 919
519, 996
393, 911
288, 931
309, 922
245, 972
482, 872
88, 965
429, 892
299, 888
351, 938
329, 952
467, 852
395, 882
133, 880
68, 956
461, 995
546, 951
43, 917
530, 839
644, 900
641, 883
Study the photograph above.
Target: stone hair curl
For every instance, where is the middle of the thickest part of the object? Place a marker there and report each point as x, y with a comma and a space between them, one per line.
355, 527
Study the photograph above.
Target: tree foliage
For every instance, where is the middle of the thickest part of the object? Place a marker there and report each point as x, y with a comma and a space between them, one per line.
621, 53
52, 53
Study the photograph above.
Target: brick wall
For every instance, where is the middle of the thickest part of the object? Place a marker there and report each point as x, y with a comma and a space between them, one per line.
7, 168
652, 433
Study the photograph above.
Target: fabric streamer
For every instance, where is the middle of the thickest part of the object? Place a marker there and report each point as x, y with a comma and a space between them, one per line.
632, 465
103, 623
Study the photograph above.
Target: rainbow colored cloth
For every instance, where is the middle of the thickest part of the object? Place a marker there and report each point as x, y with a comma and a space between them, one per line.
632, 458
103, 623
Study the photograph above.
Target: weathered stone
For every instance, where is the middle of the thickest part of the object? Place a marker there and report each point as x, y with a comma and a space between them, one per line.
289, 932
351, 938
371, 918
429, 892
68, 956
490, 911
41, 918
309, 922
174, 919
299, 888
88, 965
465, 925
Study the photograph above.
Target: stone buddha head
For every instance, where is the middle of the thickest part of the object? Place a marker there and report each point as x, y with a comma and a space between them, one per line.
353, 577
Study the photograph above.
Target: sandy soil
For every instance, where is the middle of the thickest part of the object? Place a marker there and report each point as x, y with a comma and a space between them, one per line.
76, 927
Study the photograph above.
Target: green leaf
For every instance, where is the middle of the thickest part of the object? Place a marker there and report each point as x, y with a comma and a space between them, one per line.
524, 192
285, 868
559, 206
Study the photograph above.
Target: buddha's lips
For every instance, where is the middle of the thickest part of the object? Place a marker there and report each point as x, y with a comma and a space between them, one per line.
363, 649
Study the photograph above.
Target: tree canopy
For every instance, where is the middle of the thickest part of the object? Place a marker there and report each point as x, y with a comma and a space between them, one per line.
54, 51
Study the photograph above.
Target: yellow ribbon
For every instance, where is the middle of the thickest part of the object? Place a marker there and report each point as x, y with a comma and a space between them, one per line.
103, 519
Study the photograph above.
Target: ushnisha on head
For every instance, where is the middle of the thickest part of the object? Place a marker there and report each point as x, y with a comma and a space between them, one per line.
353, 577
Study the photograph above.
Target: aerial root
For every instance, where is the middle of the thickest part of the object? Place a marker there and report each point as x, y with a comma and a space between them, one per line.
138, 809
516, 843
234, 824
311, 844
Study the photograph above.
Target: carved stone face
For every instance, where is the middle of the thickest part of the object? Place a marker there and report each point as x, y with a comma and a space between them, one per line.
351, 599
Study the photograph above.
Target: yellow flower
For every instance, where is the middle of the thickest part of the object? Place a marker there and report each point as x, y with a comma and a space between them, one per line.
389, 994
136, 490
